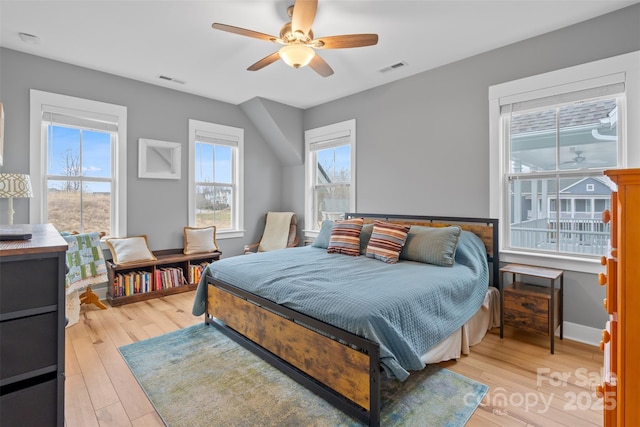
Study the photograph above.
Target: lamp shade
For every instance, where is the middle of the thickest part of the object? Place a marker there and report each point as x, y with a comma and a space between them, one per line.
15, 185
296, 55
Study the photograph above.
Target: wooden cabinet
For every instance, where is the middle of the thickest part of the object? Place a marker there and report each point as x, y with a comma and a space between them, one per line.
622, 278
171, 273
528, 307
532, 308
32, 322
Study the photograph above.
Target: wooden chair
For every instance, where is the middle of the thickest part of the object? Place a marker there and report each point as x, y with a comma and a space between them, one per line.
280, 231
98, 269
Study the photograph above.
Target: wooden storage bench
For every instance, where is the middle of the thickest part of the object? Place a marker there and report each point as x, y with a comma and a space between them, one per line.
166, 259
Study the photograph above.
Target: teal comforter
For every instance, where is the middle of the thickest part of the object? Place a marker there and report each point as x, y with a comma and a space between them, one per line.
406, 307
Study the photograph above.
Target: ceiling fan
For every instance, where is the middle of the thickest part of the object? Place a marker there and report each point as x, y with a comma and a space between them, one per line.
580, 161
578, 158
298, 43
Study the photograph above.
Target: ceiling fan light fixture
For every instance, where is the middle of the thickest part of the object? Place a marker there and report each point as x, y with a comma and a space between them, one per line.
296, 55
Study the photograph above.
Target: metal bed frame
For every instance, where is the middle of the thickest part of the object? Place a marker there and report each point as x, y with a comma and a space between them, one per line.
341, 367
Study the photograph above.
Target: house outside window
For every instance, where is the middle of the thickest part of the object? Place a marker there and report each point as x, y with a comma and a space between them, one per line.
330, 173
78, 147
552, 136
554, 153
215, 179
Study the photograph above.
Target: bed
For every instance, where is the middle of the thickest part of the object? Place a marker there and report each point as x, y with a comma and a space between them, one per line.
335, 322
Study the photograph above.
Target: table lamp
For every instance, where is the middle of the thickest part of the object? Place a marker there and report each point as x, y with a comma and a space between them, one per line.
14, 185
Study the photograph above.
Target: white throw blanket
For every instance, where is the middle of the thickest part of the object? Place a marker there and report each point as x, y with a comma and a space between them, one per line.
276, 231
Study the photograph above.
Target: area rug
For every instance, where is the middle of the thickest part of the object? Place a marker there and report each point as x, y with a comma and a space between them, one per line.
199, 377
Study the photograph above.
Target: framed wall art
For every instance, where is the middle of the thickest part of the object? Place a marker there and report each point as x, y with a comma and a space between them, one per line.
158, 159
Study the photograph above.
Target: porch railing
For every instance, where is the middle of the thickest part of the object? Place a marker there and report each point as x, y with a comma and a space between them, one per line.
575, 235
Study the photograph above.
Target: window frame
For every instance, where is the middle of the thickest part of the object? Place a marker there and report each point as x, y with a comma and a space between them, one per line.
318, 135
624, 68
237, 174
44, 101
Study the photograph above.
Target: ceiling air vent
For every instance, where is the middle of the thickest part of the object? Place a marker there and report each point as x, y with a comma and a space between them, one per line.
171, 79
393, 67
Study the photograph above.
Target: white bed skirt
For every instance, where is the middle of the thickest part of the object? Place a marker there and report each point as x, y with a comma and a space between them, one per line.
470, 333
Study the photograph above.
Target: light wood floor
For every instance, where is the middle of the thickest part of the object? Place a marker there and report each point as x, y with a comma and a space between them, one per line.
528, 386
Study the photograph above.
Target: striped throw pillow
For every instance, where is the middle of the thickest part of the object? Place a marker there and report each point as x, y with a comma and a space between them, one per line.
387, 241
345, 237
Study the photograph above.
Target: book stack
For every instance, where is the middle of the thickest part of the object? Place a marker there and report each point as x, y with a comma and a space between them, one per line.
169, 277
133, 282
195, 271
137, 282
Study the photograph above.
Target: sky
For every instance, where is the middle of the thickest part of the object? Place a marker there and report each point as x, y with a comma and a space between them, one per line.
71, 149
205, 155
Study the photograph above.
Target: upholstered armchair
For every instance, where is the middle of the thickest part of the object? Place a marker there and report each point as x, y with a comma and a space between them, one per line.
280, 231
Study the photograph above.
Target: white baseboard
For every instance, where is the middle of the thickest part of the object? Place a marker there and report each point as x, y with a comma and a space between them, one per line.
581, 333
102, 292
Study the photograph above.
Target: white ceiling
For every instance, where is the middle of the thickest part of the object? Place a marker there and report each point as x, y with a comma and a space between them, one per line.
144, 39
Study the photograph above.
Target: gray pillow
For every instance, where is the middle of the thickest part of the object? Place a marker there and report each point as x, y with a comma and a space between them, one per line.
323, 237
365, 235
431, 245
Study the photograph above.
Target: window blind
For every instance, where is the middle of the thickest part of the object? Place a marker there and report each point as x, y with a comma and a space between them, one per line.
78, 118
216, 138
330, 141
610, 85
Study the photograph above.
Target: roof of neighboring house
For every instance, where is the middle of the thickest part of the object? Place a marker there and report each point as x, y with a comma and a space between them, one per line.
577, 188
588, 113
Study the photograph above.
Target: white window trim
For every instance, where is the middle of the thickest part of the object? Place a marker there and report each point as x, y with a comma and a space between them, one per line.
38, 161
549, 84
238, 199
319, 134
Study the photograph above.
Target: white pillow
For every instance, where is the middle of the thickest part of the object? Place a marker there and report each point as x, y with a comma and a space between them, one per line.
200, 240
127, 250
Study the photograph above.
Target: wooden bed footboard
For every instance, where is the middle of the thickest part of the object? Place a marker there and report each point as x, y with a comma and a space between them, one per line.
341, 367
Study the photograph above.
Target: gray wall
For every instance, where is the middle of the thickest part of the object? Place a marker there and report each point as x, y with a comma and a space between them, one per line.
155, 207
426, 135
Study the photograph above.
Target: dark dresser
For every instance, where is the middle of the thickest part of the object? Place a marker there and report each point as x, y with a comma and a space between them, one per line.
32, 323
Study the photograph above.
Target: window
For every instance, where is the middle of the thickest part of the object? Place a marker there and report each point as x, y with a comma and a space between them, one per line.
330, 173
552, 136
215, 179
584, 206
552, 151
78, 163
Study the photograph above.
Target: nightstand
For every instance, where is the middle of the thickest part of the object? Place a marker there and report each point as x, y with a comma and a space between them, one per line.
529, 307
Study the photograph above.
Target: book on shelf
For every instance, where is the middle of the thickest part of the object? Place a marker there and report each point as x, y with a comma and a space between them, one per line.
169, 277
134, 282
195, 271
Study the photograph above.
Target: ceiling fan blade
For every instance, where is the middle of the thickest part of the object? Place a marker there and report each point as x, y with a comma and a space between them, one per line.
304, 12
244, 32
267, 60
346, 41
320, 66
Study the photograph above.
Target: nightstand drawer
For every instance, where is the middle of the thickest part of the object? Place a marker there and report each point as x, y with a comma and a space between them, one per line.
526, 303
527, 322
527, 307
